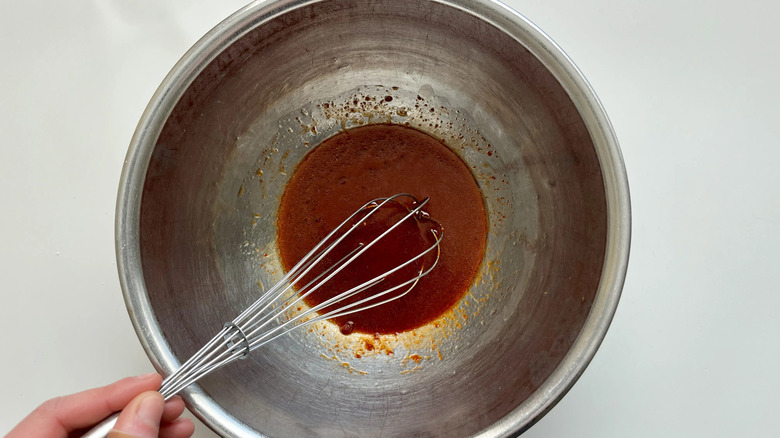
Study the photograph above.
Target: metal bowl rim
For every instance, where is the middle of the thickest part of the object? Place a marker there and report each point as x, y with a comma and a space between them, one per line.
493, 12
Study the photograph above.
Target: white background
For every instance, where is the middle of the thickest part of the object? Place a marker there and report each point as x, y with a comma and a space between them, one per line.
691, 88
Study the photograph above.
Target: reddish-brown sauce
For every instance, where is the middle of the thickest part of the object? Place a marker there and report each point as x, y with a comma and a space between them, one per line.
358, 165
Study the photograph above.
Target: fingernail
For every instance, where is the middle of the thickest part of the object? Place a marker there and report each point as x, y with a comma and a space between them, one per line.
150, 409
146, 376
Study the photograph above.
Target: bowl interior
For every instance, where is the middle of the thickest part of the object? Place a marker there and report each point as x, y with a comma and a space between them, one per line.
297, 75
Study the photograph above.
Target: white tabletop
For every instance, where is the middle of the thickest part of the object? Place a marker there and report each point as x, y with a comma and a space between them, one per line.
691, 89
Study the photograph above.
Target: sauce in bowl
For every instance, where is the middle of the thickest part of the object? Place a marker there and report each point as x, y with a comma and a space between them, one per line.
352, 167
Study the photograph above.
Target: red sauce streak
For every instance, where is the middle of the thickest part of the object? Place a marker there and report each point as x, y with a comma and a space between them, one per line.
352, 167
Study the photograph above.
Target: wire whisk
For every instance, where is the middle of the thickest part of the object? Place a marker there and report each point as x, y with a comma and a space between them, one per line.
266, 320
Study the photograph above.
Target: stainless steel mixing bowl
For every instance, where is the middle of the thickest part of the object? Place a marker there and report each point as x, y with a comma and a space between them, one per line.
201, 186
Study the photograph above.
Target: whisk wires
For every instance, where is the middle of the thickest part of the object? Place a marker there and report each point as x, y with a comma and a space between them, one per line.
259, 323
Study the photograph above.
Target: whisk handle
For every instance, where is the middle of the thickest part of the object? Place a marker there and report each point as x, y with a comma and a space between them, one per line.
103, 428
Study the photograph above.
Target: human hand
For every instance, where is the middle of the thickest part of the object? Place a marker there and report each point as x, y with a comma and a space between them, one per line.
144, 413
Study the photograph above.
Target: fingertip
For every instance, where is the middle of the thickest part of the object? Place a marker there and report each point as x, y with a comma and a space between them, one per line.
181, 428
151, 407
174, 407
175, 400
151, 377
142, 415
148, 376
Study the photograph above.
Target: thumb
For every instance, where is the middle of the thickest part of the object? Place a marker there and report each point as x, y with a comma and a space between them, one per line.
140, 418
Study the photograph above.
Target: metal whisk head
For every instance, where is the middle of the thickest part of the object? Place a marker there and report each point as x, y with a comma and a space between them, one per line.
264, 320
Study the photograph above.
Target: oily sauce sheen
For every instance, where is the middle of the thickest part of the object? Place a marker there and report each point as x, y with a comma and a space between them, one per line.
355, 166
